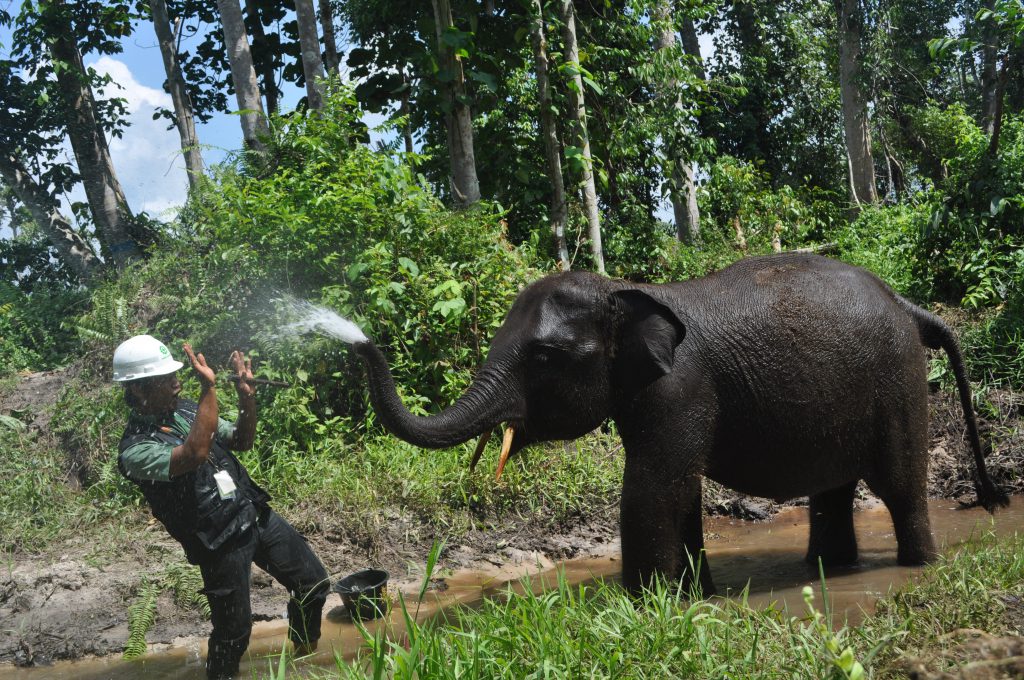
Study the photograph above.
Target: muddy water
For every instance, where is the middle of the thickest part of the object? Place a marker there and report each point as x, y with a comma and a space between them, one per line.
765, 557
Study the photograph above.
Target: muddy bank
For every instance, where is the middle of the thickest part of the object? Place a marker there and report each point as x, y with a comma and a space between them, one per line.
72, 600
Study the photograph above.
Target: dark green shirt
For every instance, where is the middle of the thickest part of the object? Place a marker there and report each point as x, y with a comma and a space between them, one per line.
151, 460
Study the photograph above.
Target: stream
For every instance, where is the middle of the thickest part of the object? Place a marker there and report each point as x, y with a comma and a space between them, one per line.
766, 556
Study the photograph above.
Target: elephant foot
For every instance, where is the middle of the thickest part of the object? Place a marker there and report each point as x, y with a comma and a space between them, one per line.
916, 556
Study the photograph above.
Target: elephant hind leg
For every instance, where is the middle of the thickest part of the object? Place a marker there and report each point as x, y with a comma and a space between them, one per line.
914, 542
832, 539
904, 492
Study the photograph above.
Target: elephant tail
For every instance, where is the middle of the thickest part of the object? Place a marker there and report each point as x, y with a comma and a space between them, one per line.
936, 334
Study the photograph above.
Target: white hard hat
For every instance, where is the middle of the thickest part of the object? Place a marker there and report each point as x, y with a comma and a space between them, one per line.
142, 357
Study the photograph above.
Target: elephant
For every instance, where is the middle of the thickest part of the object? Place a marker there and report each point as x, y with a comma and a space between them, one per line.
779, 376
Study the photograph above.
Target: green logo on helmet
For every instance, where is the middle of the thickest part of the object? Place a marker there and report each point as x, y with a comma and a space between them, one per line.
163, 350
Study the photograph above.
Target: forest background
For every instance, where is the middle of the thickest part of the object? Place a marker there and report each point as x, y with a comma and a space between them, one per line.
517, 138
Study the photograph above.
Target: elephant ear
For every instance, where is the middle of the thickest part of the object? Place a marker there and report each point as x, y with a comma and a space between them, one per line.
648, 334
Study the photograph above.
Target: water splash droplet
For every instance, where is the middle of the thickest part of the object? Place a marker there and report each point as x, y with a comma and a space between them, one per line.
310, 318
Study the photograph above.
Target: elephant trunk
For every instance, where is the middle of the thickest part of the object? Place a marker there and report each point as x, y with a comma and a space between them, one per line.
485, 404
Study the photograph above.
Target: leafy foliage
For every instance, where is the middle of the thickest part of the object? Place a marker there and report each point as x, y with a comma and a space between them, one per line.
183, 581
33, 336
141, 617
331, 221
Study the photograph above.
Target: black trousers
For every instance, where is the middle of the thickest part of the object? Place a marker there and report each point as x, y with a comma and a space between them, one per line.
277, 548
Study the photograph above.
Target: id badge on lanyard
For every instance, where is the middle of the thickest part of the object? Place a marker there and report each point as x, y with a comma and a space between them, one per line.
225, 485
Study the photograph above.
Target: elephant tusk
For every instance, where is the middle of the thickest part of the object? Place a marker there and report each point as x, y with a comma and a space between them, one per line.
486, 437
506, 447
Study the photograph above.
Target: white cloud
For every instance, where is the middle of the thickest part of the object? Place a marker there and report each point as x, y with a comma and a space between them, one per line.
147, 157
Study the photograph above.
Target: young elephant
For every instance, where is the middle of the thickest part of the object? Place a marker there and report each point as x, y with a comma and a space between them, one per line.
781, 376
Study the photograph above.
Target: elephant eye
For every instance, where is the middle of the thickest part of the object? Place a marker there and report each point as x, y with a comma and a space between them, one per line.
542, 354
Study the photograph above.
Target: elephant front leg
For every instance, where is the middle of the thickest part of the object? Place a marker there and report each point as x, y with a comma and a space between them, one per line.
661, 530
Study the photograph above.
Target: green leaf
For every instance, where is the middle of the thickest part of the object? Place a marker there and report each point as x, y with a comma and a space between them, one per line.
593, 85
355, 270
451, 307
409, 266
12, 423
486, 79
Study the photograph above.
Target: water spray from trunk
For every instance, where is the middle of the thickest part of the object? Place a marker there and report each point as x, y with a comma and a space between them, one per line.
310, 318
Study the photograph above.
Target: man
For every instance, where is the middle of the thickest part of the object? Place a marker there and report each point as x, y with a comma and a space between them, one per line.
178, 453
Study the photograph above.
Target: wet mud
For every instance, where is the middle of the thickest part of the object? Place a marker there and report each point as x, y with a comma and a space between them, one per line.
761, 561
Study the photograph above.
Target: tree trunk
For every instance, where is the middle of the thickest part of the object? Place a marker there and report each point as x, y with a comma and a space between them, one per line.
261, 46
741, 239
309, 42
247, 92
13, 207
458, 118
854, 103
332, 62
691, 45
405, 112
578, 115
106, 199
1010, 64
683, 192
552, 150
70, 247
989, 71
183, 118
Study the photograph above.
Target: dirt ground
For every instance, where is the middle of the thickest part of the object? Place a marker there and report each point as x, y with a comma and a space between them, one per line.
73, 601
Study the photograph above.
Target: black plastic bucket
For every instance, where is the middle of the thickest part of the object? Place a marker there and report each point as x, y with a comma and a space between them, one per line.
364, 593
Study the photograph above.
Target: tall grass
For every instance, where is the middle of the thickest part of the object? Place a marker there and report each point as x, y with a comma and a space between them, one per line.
598, 631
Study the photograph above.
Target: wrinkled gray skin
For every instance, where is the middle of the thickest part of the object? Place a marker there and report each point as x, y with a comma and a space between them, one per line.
781, 376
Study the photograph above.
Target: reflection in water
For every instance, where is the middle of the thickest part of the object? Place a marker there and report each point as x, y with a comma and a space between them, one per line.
767, 557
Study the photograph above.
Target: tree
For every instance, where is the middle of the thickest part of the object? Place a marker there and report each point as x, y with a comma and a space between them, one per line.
774, 71
107, 202
70, 246
1007, 18
683, 193
247, 94
266, 55
855, 104
578, 120
331, 60
465, 186
552, 149
32, 131
312, 65
183, 117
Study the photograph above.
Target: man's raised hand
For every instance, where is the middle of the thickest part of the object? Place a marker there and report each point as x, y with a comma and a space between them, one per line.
207, 378
243, 369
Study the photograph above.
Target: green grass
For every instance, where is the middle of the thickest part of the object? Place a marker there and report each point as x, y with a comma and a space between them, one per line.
597, 631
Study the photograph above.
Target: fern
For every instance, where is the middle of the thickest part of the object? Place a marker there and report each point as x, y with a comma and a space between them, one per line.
141, 617
186, 584
109, 321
